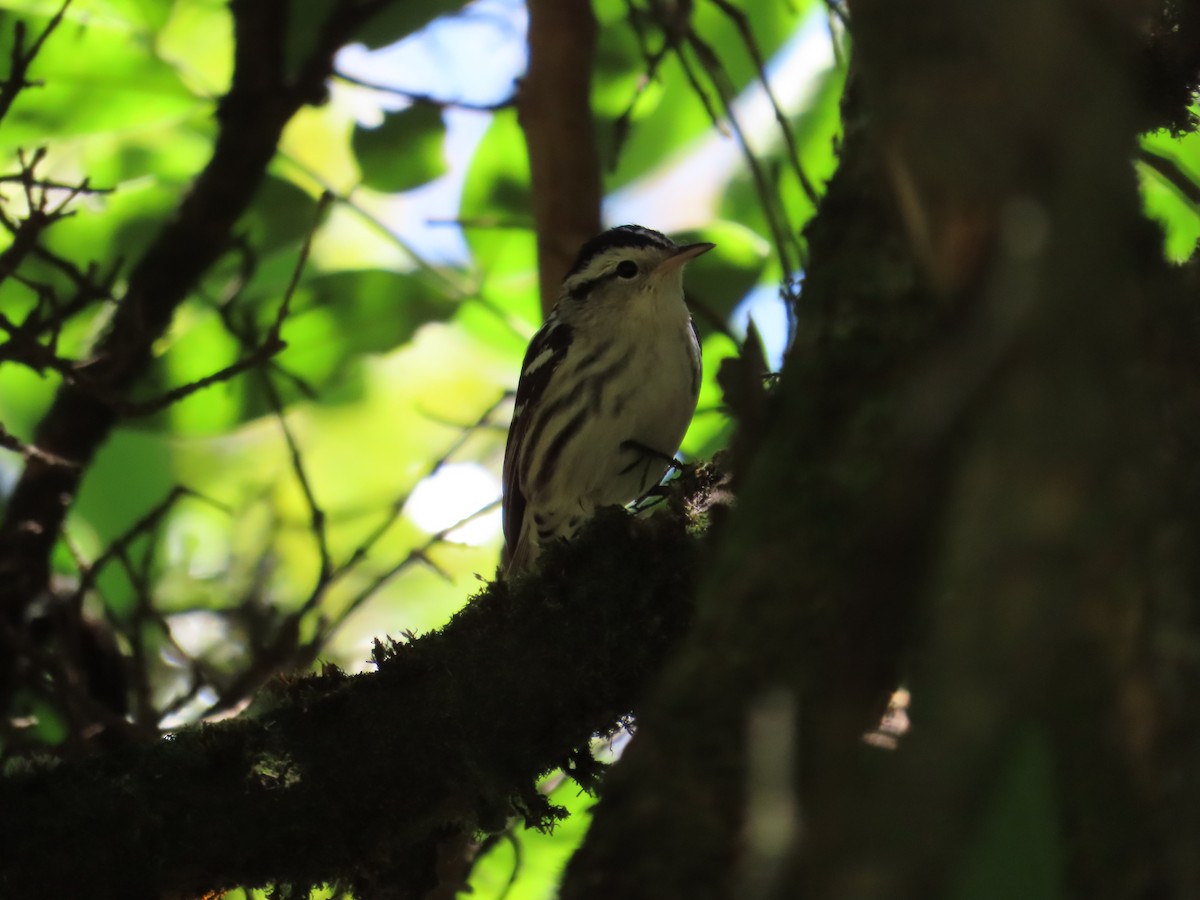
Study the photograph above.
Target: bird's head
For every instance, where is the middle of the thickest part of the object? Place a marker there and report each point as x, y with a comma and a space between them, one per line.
629, 264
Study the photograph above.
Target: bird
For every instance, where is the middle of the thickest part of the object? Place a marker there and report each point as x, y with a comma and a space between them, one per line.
607, 390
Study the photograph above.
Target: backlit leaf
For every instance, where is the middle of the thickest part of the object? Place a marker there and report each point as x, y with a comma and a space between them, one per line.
406, 151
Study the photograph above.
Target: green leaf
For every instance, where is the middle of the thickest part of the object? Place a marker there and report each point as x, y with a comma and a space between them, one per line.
282, 215
376, 310
721, 278
127, 15
399, 20
406, 151
814, 131
497, 222
338, 319
198, 41
496, 189
308, 20
96, 80
668, 114
50, 725
137, 14
1164, 202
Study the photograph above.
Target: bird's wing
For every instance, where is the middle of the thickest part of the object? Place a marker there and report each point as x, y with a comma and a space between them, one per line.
545, 354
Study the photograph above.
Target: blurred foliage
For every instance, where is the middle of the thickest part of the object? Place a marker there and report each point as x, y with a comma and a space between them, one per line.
397, 362
420, 131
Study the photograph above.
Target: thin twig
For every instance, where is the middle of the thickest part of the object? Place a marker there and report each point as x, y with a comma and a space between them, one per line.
397, 506
742, 24
781, 232
49, 185
133, 409
456, 289
149, 520
20, 61
425, 99
272, 344
417, 554
316, 513
9, 441
654, 60
317, 517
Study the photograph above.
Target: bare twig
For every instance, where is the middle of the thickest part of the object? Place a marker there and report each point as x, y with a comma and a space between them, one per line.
145, 525
265, 93
364, 548
271, 345
261, 354
9, 441
317, 517
748, 41
784, 236
40, 216
456, 288
20, 60
425, 99
89, 286
46, 184
417, 554
654, 60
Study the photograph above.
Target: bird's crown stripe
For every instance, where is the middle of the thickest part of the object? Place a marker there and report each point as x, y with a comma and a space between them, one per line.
622, 236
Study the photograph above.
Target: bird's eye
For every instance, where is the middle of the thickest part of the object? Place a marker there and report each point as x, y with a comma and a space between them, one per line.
627, 268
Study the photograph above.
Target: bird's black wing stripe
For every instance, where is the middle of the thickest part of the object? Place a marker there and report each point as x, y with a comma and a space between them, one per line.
592, 358
554, 451
596, 386
553, 340
537, 424
546, 414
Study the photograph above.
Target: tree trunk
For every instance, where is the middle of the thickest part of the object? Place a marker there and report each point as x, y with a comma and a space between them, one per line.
979, 481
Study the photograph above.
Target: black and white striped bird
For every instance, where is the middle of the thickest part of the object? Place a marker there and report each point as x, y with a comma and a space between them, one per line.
607, 389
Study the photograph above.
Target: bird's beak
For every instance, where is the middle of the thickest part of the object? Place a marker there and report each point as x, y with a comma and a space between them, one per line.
682, 256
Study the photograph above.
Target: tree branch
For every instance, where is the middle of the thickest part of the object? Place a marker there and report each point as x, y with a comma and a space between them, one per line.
356, 780
20, 60
555, 109
966, 484
261, 100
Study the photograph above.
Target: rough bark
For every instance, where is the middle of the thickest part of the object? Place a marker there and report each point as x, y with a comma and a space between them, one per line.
976, 480
363, 780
